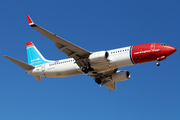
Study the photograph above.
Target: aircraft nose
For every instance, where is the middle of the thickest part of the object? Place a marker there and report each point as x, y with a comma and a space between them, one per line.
172, 50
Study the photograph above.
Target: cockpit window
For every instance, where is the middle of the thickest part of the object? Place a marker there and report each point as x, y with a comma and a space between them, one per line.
163, 44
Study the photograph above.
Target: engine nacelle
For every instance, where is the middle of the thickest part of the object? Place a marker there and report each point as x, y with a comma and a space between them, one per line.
121, 76
99, 56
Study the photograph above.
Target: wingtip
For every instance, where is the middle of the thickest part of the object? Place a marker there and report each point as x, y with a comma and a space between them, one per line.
6, 56
30, 20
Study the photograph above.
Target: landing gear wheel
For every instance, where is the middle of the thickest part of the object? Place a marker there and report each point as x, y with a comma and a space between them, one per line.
90, 68
85, 70
98, 81
157, 63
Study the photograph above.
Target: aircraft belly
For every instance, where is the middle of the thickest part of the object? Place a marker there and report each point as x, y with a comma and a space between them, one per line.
62, 70
100, 66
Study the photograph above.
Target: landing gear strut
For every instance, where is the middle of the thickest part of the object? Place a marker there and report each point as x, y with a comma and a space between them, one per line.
160, 59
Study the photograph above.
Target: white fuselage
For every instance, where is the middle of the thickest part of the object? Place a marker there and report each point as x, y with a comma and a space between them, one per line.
67, 67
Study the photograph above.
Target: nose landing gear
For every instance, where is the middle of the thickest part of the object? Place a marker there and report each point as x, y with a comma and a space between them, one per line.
160, 59
157, 63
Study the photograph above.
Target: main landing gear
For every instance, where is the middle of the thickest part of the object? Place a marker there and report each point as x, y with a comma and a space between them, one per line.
98, 81
87, 69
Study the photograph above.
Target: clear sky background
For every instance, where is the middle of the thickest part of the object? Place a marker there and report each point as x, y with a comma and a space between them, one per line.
152, 93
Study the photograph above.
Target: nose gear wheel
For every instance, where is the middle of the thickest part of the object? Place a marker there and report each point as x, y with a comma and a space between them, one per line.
157, 63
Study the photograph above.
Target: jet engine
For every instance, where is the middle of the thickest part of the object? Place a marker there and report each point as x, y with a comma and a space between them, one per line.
99, 56
121, 76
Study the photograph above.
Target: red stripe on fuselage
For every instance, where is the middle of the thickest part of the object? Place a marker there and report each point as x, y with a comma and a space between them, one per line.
150, 52
145, 53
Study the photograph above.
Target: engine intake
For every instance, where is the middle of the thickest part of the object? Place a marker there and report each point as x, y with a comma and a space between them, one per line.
99, 56
121, 76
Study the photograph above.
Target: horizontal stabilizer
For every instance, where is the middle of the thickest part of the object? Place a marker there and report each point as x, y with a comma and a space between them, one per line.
37, 77
23, 65
111, 85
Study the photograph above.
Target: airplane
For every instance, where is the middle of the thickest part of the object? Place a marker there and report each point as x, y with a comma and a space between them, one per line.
101, 65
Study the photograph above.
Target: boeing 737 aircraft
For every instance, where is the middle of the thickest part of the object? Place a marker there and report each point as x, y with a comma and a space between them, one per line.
102, 65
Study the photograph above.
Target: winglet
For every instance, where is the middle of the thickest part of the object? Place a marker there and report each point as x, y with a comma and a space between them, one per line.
31, 23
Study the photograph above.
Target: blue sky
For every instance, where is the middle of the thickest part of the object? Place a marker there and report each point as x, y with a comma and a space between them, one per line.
151, 93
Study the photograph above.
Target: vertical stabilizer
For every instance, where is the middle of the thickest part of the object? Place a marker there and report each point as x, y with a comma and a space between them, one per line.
34, 56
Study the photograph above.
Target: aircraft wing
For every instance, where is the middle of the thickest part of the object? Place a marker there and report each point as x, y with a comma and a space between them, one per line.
106, 79
65, 46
